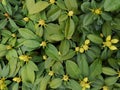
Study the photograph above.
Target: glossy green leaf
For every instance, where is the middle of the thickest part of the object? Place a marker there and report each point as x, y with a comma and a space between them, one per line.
26, 33
72, 69
111, 5
69, 28
36, 7
55, 83
95, 39
108, 71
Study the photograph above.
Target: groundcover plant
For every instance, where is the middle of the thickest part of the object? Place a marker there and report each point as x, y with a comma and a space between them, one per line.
59, 45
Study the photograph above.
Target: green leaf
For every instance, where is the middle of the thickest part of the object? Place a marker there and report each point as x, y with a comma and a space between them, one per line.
106, 16
3, 50
72, 69
26, 33
53, 13
95, 69
11, 54
108, 71
44, 82
71, 4
69, 28
5, 71
52, 33
55, 83
52, 52
27, 74
58, 68
74, 85
13, 24
88, 19
110, 80
31, 43
111, 5
83, 64
67, 56
36, 7
94, 38
106, 29
64, 47
3, 23
34, 66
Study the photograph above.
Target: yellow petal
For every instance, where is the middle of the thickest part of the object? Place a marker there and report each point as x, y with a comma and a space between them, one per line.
85, 79
114, 40
108, 38
113, 47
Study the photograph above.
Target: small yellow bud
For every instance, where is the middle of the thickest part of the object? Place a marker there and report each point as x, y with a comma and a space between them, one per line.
65, 77
9, 47
24, 58
6, 15
13, 35
51, 73
17, 79
43, 44
52, 1
81, 50
42, 22
101, 35
44, 57
77, 49
26, 19
114, 40
97, 11
70, 13
87, 42
119, 74
112, 47
85, 47
105, 88
59, 53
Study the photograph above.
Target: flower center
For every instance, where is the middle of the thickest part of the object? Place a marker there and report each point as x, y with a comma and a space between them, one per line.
51, 73
97, 11
65, 77
70, 13
42, 22
24, 58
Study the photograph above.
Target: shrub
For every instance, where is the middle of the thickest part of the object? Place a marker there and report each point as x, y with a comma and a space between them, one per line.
59, 44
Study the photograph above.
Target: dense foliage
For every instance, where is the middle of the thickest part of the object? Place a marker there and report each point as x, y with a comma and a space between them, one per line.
59, 45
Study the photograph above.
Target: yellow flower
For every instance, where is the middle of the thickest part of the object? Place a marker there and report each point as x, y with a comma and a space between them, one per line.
43, 44
2, 84
59, 53
41, 22
85, 47
13, 35
17, 79
9, 47
44, 57
109, 41
87, 42
26, 19
6, 15
24, 58
65, 77
85, 84
51, 73
81, 50
52, 1
118, 73
77, 49
105, 88
97, 11
70, 13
